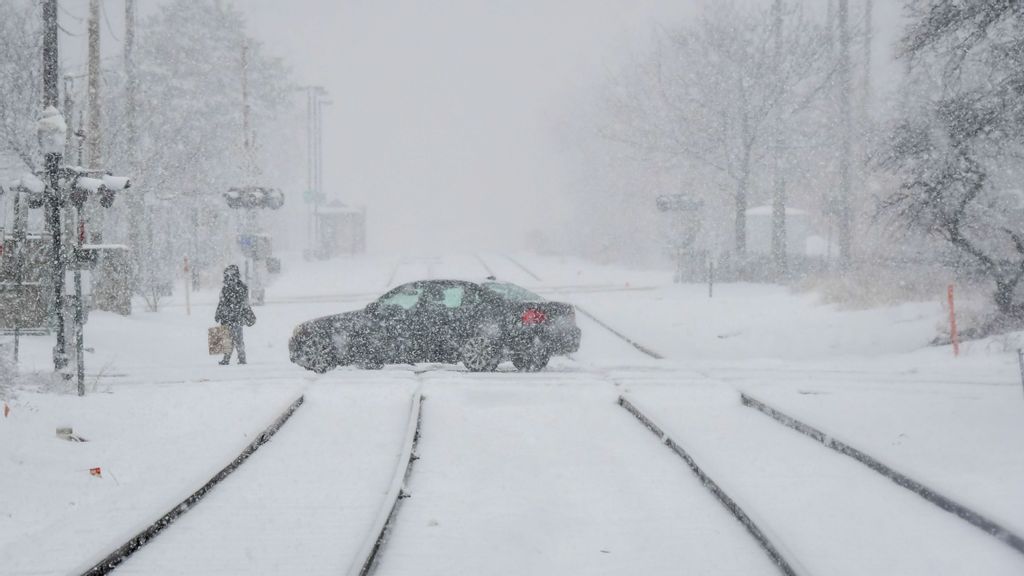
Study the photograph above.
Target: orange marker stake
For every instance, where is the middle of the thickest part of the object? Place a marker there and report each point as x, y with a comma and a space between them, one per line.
7, 409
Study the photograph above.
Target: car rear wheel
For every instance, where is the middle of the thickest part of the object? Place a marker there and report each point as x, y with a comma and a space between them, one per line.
480, 354
525, 363
369, 363
321, 366
533, 359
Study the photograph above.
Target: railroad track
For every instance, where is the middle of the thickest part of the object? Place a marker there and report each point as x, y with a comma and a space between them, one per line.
375, 542
375, 547
109, 561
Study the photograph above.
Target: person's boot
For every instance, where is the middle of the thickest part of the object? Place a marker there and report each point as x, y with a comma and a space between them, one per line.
225, 361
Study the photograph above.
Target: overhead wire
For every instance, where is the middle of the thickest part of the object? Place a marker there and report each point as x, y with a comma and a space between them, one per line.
74, 17
106, 18
68, 32
69, 13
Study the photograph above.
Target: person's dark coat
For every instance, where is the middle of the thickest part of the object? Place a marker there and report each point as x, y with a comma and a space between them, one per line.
233, 308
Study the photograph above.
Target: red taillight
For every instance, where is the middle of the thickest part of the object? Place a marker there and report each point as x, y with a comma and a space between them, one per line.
534, 316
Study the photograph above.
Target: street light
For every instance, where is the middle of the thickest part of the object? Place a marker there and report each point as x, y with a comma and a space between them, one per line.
51, 129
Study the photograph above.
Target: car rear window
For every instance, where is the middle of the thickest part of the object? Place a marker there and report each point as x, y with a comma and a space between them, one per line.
452, 297
512, 292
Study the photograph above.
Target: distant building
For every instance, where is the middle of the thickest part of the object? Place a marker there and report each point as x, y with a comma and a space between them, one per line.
800, 237
340, 229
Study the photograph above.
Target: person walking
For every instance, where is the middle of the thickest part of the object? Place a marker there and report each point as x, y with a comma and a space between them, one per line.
233, 311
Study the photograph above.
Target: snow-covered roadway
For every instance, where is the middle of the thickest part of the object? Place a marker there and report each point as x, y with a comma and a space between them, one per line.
525, 473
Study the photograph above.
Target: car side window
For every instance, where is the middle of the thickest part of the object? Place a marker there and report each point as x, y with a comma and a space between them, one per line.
404, 299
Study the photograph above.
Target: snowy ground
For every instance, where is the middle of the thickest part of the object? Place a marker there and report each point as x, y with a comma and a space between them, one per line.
524, 473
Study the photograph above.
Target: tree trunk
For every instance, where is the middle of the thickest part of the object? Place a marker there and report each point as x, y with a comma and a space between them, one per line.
844, 209
742, 192
779, 249
1005, 289
742, 187
741, 217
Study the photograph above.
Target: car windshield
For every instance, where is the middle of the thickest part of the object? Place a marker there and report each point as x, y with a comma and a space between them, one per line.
513, 292
405, 298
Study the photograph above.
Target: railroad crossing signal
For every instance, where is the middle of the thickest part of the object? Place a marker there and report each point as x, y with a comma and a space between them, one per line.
254, 197
678, 203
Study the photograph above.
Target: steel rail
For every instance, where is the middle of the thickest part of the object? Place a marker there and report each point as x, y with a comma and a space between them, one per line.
774, 554
366, 559
643, 349
490, 272
521, 267
114, 559
961, 511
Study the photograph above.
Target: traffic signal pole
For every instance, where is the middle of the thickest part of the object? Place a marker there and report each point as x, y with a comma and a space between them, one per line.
79, 304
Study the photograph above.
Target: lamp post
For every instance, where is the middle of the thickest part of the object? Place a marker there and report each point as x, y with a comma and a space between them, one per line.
52, 131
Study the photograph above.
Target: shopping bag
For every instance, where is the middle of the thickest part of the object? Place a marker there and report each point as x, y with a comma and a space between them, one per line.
218, 340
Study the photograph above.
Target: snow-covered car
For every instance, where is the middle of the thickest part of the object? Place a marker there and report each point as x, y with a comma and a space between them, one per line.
446, 321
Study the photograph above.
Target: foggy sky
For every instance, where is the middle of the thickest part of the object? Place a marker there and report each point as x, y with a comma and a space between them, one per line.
446, 112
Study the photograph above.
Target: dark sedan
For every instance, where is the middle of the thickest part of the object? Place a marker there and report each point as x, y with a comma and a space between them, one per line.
446, 321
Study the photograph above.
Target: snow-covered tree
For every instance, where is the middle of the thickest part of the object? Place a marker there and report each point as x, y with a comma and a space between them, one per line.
21, 82
959, 148
191, 142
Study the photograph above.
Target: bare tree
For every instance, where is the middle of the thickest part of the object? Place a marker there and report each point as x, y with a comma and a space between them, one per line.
724, 93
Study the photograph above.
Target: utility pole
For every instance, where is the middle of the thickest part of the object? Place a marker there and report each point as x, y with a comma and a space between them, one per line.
19, 265
94, 139
779, 179
251, 167
79, 304
320, 103
136, 202
315, 101
50, 125
845, 138
310, 192
249, 225
69, 111
868, 39
830, 26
